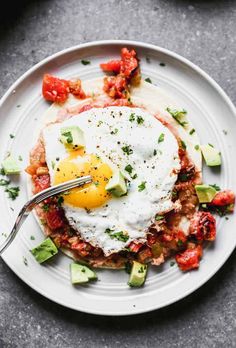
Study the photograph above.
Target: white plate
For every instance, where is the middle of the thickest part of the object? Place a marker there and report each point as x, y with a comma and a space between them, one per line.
211, 112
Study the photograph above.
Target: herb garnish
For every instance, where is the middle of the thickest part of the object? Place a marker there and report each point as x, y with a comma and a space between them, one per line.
196, 147
115, 131
117, 235
148, 80
216, 187
11, 136
142, 186
192, 131
128, 267
25, 261
154, 152
2, 171
32, 237
68, 137
60, 200
132, 117
20, 158
96, 183
140, 120
129, 168
159, 217
85, 62
13, 192
210, 145
161, 138
4, 182
45, 207
127, 149
172, 263
178, 116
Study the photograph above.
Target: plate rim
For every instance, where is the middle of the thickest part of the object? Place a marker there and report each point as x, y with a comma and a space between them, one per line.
179, 58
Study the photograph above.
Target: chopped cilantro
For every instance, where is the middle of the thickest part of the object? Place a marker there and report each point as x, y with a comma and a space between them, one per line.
45, 207
216, 187
4, 182
159, 217
154, 152
140, 120
129, 168
196, 147
210, 145
115, 131
161, 138
32, 237
141, 269
192, 131
142, 186
172, 263
148, 80
178, 115
179, 242
68, 137
13, 192
96, 183
132, 117
53, 164
183, 145
85, 62
11, 136
20, 158
127, 149
117, 235
134, 176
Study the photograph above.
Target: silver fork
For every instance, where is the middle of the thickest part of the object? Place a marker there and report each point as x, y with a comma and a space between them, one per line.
36, 199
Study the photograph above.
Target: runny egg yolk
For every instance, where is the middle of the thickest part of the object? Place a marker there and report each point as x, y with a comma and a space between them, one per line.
91, 195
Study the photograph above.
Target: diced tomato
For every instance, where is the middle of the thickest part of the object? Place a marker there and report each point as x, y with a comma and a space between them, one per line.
55, 89
129, 62
203, 226
151, 239
32, 168
41, 182
54, 218
223, 198
115, 86
85, 108
111, 66
189, 259
135, 247
76, 89
83, 248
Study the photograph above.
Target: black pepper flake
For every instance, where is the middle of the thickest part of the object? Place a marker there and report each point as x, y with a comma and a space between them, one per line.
58, 169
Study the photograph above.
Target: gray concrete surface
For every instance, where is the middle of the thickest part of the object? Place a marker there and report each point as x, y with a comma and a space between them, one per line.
204, 32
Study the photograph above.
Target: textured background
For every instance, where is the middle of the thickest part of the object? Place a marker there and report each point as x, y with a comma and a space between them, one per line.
203, 31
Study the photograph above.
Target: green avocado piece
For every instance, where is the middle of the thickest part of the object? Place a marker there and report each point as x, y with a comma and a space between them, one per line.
45, 250
81, 274
211, 155
137, 275
10, 166
117, 185
73, 137
205, 193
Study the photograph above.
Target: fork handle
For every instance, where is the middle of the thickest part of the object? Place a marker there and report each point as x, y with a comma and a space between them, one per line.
19, 221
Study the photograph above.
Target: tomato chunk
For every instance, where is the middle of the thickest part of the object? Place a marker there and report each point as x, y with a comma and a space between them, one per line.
76, 89
134, 247
115, 86
111, 66
41, 182
223, 198
203, 226
129, 62
55, 89
54, 218
189, 259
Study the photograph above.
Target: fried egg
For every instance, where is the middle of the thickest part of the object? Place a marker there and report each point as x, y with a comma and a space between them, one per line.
127, 139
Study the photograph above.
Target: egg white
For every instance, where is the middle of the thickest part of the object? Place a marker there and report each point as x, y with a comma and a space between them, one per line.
155, 163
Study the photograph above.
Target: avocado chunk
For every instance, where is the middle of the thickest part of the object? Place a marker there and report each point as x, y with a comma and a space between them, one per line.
117, 185
81, 274
44, 251
211, 155
205, 193
137, 275
10, 166
73, 137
